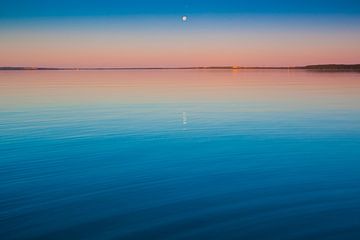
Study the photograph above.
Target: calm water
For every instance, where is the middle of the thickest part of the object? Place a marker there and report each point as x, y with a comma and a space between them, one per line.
179, 155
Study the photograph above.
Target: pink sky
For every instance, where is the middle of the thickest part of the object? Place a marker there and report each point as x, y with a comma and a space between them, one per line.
161, 44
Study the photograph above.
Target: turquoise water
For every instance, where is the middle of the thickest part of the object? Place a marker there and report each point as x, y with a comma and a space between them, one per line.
179, 155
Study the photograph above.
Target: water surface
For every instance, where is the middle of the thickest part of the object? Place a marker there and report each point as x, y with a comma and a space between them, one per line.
179, 155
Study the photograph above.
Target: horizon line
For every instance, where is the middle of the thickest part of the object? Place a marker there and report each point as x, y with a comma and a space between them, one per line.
313, 66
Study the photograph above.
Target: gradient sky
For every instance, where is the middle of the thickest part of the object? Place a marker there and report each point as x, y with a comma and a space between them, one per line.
151, 33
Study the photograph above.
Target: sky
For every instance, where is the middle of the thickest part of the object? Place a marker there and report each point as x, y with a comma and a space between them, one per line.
130, 33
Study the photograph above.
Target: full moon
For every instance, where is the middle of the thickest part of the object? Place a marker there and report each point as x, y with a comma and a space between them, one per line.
184, 18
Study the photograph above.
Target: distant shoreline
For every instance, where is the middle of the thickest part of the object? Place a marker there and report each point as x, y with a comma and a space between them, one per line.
324, 67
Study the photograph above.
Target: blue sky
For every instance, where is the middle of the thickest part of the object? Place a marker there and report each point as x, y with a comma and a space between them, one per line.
138, 33
17, 9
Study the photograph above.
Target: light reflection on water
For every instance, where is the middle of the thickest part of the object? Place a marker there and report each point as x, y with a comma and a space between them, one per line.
179, 155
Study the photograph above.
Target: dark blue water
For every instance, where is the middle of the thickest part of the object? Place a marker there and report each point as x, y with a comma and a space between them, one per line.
219, 155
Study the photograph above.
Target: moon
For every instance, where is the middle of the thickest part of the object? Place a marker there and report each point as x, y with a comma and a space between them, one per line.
184, 18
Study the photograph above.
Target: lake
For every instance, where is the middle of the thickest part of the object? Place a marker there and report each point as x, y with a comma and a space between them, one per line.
180, 154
